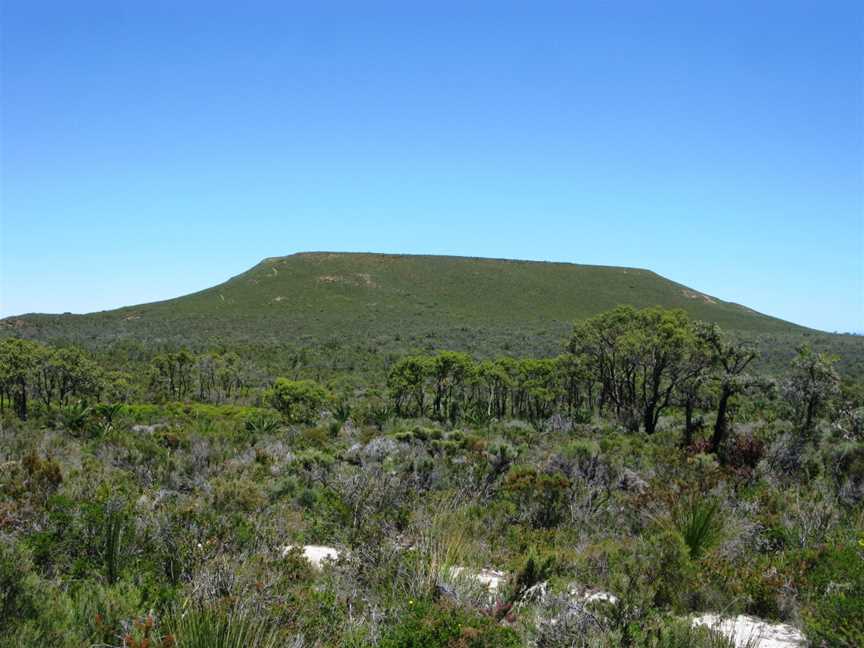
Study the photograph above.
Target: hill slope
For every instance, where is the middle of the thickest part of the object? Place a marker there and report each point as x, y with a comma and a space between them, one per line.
394, 301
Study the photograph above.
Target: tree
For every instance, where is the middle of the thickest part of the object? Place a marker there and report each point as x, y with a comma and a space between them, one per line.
811, 385
406, 382
230, 375
576, 384
690, 396
299, 401
536, 389
17, 360
691, 393
449, 370
494, 378
729, 360
62, 373
171, 375
639, 358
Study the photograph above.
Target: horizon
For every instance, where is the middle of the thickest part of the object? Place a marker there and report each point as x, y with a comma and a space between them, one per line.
147, 153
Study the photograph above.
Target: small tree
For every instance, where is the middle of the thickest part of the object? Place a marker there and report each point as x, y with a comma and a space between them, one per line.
730, 360
810, 387
692, 393
18, 361
639, 358
171, 375
64, 373
299, 401
450, 370
406, 382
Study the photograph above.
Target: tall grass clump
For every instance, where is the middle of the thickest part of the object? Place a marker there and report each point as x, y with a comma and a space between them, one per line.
441, 543
699, 520
214, 627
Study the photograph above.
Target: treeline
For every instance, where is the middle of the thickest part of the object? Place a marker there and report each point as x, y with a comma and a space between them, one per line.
451, 385
627, 364
633, 365
214, 377
50, 377
32, 371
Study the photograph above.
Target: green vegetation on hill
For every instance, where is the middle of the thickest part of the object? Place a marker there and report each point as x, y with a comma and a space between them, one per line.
353, 310
373, 296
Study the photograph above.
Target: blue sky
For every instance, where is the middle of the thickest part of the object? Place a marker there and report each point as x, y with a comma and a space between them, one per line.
153, 149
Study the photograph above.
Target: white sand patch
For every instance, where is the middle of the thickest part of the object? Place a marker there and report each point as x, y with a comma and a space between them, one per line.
489, 578
315, 554
746, 630
586, 595
601, 596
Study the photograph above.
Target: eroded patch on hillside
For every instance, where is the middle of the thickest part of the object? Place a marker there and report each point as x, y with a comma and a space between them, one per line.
692, 294
361, 279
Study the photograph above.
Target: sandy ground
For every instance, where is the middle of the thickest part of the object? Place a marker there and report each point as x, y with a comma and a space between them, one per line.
744, 629
491, 579
316, 554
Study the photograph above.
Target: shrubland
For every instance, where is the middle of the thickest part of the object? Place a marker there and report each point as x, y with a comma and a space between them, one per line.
163, 499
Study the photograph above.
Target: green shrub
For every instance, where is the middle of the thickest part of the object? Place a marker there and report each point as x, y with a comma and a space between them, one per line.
75, 417
429, 625
670, 568
299, 401
540, 497
680, 633
836, 620
834, 584
43, 476
238, 495
15, 565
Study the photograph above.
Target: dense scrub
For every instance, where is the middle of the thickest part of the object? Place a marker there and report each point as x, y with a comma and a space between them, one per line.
166, 523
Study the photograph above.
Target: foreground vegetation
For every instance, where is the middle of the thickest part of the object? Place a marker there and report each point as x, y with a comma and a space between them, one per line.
149, 501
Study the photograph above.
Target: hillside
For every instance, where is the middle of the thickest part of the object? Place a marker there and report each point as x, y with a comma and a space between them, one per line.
366, 296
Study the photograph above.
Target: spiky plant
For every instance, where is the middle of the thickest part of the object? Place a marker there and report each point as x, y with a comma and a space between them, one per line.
261, 424
217, 627
74, 417
699, 520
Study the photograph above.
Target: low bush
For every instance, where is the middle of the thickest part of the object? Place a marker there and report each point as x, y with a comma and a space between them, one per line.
440, 625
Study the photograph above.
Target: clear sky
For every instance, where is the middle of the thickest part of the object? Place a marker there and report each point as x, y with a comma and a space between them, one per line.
150, 149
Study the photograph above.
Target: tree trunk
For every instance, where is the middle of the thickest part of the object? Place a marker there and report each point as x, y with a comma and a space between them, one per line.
21, 401
721, 424
649, 420
809, 417
688, 424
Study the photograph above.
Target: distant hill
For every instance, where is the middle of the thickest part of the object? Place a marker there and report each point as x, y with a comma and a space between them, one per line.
396, 302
